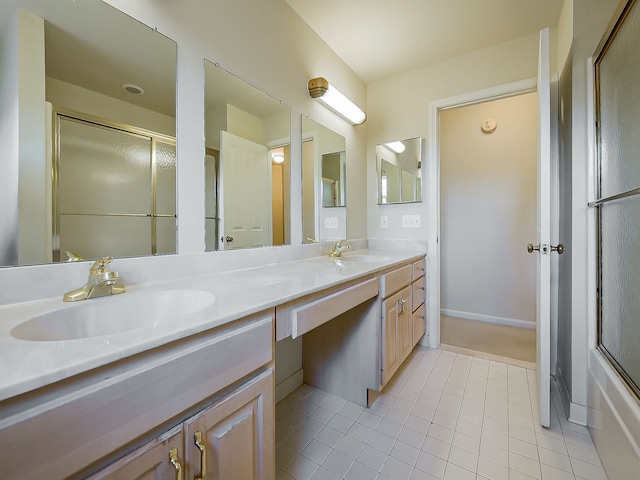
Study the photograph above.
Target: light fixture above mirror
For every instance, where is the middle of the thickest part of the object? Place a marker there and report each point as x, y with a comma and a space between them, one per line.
320, 89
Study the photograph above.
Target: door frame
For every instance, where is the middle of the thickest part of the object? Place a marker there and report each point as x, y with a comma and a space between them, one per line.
433, 186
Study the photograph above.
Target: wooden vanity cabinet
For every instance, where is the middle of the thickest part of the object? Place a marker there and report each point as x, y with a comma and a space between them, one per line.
418, 297
397, 320
232, 439
397, 327
109, 422
159, 459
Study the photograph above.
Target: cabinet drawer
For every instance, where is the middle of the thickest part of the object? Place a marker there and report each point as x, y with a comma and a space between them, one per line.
418, 269
419, 293
393, 281
304, 314
419, 323
313, 314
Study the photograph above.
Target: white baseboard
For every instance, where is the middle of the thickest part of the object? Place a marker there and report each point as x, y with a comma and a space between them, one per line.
288, 385
512, 322
576, 413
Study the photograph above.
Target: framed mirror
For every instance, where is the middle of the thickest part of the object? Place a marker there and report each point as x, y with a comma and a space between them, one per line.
399, 168
247, 164
87, 101
323, 183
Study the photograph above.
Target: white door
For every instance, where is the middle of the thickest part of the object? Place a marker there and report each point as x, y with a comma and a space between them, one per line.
543, 290
245, 193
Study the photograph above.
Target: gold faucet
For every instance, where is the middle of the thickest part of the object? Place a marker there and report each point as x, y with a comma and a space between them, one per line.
339, 248
101, 283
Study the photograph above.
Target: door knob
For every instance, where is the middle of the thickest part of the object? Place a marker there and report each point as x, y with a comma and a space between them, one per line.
531, 247
228, 239
559, 249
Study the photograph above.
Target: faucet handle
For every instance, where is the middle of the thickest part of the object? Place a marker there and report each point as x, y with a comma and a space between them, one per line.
100, 266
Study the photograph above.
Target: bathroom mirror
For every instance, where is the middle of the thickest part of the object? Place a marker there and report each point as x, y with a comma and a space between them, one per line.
333, 177
399, 167
247, 164
323, 183
87, 121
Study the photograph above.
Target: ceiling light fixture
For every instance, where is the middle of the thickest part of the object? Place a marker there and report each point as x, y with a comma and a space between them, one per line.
277, 157
320, 89
397, 147
133, 89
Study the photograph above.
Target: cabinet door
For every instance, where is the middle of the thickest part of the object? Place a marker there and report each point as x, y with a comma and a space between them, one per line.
405, 324
390, 353
233, 438
397, 332
160, 459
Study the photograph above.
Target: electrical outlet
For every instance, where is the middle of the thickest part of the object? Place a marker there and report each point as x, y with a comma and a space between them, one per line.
411, 221
331, 222
384, 221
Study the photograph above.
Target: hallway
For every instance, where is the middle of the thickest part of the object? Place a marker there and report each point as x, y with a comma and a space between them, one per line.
514, 343
443, 416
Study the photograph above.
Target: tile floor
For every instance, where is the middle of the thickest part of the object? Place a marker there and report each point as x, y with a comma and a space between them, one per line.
443, 416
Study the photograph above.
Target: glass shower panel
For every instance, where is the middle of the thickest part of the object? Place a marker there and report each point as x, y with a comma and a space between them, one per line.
93, 236
165, 178
165, 235
619, 110
620, 277
103, 170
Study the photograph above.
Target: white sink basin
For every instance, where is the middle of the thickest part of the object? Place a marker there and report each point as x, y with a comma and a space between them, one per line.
363, 258
113, 314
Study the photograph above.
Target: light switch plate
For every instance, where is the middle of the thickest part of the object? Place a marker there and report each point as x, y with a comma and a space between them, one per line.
384, 221
411, 221
331, 222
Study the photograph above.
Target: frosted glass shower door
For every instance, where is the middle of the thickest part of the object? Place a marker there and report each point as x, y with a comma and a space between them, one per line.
104, 191
618, 204
165, 197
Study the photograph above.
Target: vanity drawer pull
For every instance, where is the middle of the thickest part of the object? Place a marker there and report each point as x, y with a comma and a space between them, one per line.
203, 455
173, 458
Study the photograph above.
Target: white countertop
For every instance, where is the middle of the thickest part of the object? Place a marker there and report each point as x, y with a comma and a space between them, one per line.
28, 365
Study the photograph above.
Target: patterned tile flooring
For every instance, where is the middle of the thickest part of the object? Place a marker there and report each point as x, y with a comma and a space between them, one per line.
445, 416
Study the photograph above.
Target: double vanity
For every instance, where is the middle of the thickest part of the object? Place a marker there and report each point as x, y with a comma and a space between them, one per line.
177, 377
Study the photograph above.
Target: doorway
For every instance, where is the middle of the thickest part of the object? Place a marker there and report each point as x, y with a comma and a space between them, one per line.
433, 186
488, 170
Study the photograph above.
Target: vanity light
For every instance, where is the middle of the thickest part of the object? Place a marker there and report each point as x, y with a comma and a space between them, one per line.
319, 88
277, 157
397, 147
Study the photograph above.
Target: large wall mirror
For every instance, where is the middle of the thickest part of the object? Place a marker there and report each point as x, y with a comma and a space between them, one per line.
247, 164
323, 183
87, 119
399, 167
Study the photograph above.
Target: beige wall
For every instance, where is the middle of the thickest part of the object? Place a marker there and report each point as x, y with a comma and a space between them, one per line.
65, 95
488, 211
398, 107
239, 35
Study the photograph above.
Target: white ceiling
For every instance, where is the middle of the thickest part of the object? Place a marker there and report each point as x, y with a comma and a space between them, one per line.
93, 45
383, 38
